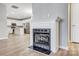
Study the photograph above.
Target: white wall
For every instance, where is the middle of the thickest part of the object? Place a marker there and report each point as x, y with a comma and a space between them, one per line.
3, 23
48, 13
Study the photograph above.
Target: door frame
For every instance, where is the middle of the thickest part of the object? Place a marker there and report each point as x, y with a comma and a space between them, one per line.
69, 22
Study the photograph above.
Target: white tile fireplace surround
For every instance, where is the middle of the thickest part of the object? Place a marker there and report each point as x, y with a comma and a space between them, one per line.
51, 26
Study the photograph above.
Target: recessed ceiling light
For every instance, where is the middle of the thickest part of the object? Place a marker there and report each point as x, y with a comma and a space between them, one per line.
14, 6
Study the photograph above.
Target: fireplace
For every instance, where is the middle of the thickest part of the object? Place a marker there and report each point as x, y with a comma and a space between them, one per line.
41, 40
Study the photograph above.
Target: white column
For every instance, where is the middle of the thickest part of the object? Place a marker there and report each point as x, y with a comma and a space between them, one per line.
21, 31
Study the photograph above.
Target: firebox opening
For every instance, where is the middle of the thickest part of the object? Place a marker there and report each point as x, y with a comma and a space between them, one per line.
41, 40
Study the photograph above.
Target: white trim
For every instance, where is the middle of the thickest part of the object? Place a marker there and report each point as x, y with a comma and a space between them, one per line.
62, 47
54, 51
75, 41
3, 38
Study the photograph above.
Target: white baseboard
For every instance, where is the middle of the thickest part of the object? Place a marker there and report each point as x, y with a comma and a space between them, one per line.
75, 41
54, 51
3, 38
62, 47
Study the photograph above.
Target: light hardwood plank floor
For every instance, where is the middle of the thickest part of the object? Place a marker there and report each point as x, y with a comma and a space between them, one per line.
18, 45
73, 49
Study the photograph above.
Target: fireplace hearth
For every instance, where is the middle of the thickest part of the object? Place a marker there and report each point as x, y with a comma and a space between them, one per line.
41, 40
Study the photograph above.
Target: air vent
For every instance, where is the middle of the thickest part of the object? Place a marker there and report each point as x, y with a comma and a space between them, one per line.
14, 6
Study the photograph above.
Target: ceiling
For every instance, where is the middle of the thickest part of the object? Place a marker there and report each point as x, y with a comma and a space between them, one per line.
19, 11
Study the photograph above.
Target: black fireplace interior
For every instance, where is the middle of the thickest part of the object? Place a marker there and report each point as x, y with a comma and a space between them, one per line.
41, 40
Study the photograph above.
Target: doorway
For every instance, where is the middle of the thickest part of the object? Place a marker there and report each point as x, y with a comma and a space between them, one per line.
73, 29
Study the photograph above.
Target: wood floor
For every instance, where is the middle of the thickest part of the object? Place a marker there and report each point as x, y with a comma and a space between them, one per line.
74, 49
18, 45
